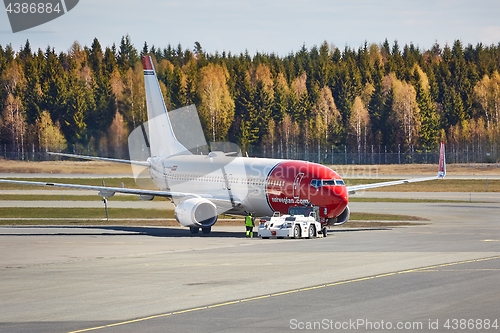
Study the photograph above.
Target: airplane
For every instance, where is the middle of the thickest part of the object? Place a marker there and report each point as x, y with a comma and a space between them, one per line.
204, 186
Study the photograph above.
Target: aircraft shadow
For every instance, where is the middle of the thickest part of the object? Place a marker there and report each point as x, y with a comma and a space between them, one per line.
178, 232
110, 230
171, 232
166, 232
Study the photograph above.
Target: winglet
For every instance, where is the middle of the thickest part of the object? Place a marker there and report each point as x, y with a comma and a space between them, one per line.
442, 162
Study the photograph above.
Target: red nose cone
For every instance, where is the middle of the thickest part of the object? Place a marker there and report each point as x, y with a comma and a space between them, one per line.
338, 200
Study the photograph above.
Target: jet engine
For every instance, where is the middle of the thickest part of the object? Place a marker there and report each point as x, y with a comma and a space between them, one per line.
342, 218
196, 212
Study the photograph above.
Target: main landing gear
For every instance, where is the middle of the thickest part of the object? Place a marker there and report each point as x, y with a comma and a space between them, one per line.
195, 230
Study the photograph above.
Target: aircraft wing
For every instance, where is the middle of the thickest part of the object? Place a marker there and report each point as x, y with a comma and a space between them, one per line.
105, 191
105, 159
441, 174
353, 189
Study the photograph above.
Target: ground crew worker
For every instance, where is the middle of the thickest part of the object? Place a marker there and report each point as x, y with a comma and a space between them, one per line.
249, 224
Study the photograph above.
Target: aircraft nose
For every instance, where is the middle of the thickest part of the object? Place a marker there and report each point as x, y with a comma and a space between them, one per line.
341, 193
338, 200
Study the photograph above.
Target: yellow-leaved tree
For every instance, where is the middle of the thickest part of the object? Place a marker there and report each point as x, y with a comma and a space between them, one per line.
217, 106
359, 121
50, 137
487, 96
405, 111
117, 135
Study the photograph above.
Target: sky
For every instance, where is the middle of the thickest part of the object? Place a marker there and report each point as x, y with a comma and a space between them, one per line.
267, 26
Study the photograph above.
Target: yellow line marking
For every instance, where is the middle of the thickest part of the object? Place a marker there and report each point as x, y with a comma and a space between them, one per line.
304, 289
254, 298
333, 284
190, 310
286, 292
223, 304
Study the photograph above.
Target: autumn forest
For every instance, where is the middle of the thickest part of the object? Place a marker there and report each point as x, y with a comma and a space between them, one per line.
323, 99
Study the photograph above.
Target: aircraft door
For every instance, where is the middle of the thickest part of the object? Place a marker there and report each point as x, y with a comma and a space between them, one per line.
296, 185
226, 185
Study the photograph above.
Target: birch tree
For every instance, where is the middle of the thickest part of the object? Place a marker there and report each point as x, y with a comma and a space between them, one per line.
117, 135
487, 96
286, 134
14, 122
406, 113
14, 115
327, 118
359, 122
217, 106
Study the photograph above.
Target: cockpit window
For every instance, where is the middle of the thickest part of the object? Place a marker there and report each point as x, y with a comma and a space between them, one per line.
339, 182
316, 183
328, 182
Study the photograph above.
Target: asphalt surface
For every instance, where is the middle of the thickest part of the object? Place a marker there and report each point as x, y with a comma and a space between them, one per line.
152, 279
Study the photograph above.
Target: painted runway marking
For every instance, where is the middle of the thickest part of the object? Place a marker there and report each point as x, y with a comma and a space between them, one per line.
333, 284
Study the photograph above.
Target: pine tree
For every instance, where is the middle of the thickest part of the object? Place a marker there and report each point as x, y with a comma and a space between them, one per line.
127, 55
429, 133
376, 104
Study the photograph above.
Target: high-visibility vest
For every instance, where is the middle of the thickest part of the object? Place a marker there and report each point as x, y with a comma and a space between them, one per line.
248, 221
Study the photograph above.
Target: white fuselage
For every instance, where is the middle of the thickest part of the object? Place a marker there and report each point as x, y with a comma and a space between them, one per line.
236, 184
258, 185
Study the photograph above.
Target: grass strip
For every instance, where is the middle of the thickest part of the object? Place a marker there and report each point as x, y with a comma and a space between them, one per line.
441, 185
56, 213
409, 200
91, 222
110, 182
